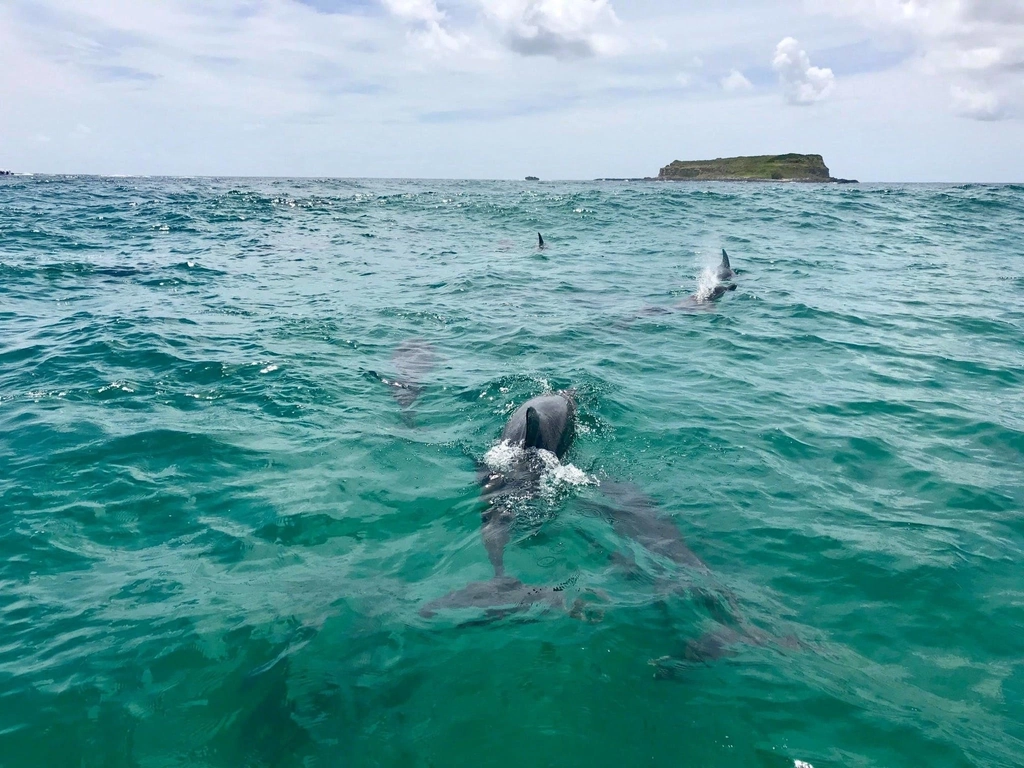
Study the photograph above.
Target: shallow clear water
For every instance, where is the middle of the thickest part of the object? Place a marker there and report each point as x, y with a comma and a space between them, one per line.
218, 527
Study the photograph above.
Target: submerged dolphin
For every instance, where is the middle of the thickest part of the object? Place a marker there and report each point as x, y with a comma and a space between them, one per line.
412, 360
636, 517
545, 423
724, 271
500, 597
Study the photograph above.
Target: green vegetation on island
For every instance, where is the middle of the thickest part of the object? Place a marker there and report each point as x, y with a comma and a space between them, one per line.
790, 167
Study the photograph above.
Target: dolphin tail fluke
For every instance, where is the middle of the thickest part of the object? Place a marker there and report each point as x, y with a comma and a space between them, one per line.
533, 436
540, 240
725, 260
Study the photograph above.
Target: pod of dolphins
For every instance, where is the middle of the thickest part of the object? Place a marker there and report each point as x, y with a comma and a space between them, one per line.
547, 423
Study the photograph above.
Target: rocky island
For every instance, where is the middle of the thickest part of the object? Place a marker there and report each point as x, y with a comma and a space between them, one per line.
790, 167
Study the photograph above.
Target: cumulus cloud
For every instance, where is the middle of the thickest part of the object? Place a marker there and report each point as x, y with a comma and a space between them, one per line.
559, 28
976, 46
980, 105
414, 10
802, 83
736, 81
426, 20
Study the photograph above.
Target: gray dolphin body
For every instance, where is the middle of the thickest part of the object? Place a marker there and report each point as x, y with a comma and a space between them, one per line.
499, 597
724, 271
636, 517
698, 301
545, 423
412, 360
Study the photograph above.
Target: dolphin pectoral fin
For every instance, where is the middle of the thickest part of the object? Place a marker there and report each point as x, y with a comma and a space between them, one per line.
532, 439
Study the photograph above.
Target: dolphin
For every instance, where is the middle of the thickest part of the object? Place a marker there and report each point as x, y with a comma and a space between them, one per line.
500, 597
540, 240
724, 271
544, 423
412, 360
636, 517
703, 300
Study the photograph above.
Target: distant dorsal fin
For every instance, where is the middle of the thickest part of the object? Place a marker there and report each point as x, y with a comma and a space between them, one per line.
725, 260
540, 240
532, 439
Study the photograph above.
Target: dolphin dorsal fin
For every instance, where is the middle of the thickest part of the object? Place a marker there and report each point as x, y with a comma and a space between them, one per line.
725, 260
532, 439
540, 240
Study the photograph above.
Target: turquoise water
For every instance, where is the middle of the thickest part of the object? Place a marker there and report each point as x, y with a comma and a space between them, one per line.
217, 527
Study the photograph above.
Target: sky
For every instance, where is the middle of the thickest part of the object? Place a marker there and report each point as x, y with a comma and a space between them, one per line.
885, 90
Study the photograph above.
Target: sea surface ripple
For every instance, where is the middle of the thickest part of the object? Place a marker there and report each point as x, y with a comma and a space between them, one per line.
218, 527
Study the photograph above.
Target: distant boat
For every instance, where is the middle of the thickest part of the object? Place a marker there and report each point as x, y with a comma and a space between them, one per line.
532, 178
6, 173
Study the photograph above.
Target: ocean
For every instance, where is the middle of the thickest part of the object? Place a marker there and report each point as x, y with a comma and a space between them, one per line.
220, 520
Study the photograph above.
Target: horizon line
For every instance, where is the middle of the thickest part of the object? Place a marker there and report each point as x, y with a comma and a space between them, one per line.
637, 179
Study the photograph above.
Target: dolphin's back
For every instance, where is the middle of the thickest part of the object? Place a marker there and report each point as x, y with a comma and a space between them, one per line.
546, 422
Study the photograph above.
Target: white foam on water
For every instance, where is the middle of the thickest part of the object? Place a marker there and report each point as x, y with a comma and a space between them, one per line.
554, 475
503, 456
269, 368
563, 476
121, 385
801, 764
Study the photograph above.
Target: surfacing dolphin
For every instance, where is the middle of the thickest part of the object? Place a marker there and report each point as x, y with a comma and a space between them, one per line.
724, 271
540, 240
544, 423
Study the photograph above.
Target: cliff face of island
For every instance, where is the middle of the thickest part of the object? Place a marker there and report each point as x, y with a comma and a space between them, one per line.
790, 167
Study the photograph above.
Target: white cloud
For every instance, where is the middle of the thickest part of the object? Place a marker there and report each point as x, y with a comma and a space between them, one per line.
430, 87
559, 28
426, 18
563, 29
414, 10
976, 46
802, 83
736, 81
980, 105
